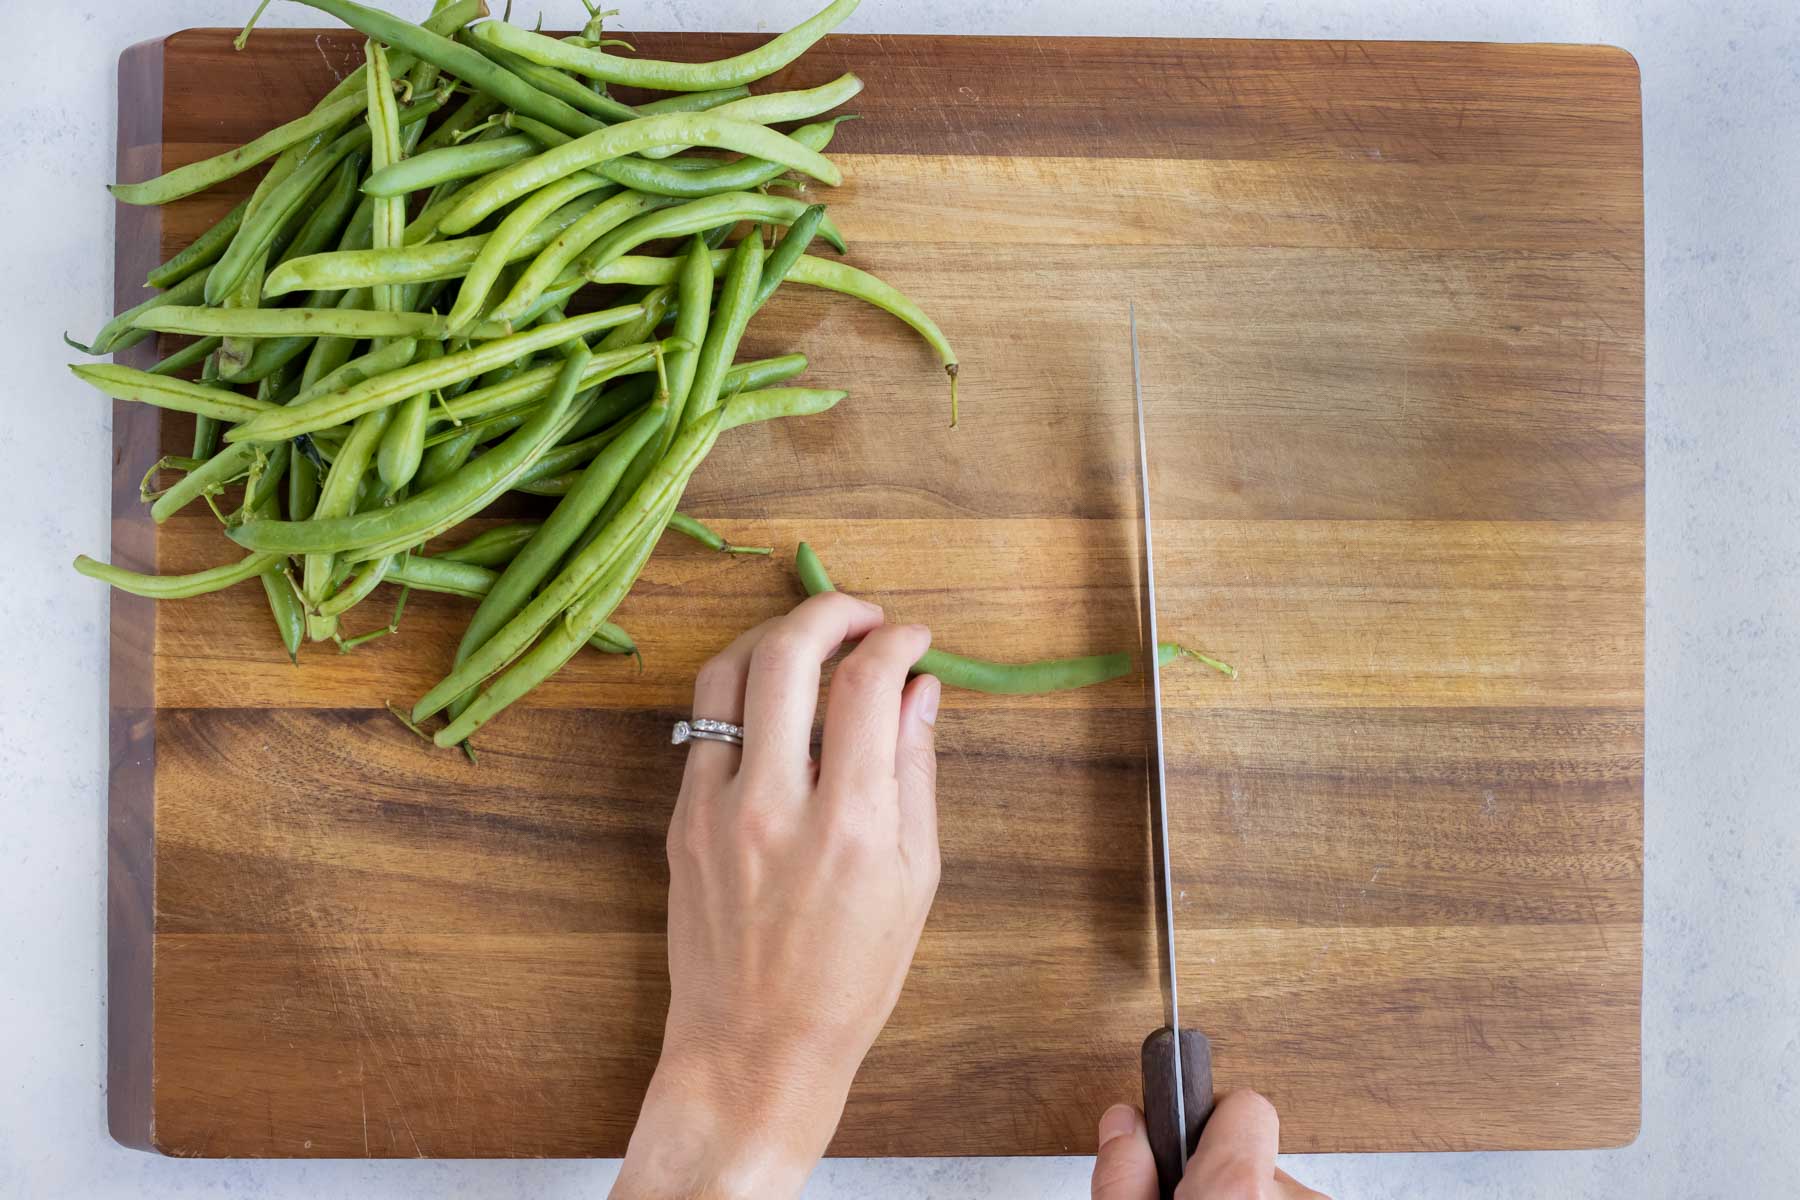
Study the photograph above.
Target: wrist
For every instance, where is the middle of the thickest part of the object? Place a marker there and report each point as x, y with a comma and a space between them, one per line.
707, 1130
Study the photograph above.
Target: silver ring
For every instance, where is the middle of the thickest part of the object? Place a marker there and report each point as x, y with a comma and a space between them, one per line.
704, 729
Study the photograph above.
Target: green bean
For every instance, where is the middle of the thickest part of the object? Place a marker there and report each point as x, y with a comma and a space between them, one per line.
122, 331
303, 486
698, 129
690, 180
788, 251
736, 304
471, 114
534, 563
285, 607
547, 268
667, 76
1012, 679
812, 271
403, 443
178, 395
693, 217
415, 263
773, 108
208, 479
187, 356
534, 384
553, 83
421, 516
768, 404
693, 101
494, 547
235, 350
268, 472
391, 356
337, 497
316, 322
177, 587
264, 221
554, 650
498, 249
330, 353
696, 284
442, 459
200, 253
327, 219
448, 163
568, 456
198, 176
466, 64
348, 597
639, 519
472, 582
388, 213
683, 524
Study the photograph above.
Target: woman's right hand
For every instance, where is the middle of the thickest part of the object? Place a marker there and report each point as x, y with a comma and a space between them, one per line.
1235, 1159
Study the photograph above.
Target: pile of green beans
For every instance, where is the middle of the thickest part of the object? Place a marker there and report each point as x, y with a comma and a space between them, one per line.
470, 271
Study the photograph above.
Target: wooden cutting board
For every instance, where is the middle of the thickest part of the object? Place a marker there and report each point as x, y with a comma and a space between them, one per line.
1391, 299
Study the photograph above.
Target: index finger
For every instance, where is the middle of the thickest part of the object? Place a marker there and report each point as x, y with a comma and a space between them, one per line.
782, 691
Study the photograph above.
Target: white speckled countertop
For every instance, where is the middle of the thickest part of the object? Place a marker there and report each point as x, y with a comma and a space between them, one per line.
1722, 904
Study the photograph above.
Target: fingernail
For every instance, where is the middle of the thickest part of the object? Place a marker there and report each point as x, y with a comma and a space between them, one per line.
1121, 1120
928, 699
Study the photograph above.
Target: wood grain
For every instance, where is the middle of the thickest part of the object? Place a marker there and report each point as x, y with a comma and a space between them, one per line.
1391, 306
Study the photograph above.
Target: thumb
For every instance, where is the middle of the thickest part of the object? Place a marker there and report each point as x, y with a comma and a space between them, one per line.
1124, 1168
915, 770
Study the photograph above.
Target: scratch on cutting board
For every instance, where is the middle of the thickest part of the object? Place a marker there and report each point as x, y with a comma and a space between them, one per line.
336, 72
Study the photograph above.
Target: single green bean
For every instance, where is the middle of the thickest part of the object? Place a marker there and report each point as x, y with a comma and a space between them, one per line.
178, 395
448, 163
773, 108
390, 356
553, 83
187, 356
695, 286
337, 497
403, 443
413, 263
123, 331
316, 322
198, 176
554, 649
208, 479
547, 268
264, 484
788, 251
388, 213
303, 486
357, 590
693, 217
442, 459
1012, 679
286, 609
466, 64
768, 404
692, 179
736, 305
421, 516
690, 527
667, 76
693, 101
200, 253
698, 129
494, 547
177, 587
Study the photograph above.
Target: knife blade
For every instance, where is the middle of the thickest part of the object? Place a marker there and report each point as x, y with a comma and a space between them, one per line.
1176, 1061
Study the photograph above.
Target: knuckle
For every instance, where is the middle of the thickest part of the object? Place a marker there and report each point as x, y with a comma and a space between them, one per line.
777, 651
859, 674
1236, 1180
715, 675
1248, 1106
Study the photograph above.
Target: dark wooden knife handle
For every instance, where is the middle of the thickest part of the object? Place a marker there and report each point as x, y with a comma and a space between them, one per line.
1159, 1099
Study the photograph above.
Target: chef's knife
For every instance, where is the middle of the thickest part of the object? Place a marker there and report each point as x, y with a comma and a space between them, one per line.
1178, 1094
